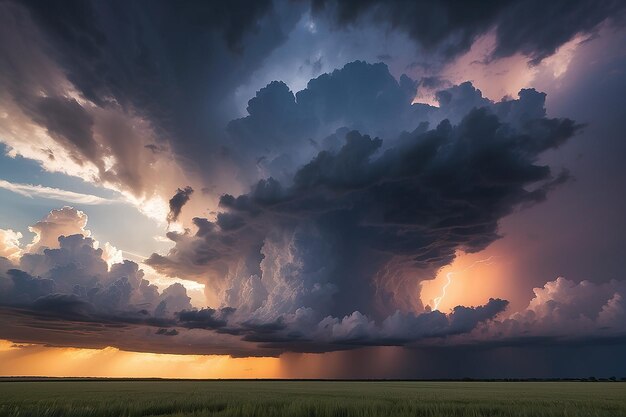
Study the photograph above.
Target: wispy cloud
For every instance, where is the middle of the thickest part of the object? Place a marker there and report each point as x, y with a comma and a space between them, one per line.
30, 190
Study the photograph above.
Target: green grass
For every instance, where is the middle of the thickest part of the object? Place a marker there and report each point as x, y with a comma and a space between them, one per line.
310, 398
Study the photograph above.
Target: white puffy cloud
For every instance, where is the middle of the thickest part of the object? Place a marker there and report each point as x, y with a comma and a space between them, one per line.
65, 272
565, 307
562, 310
112, 255
10, 244
65, 221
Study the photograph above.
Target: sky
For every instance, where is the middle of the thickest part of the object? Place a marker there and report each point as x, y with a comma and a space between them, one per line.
313, 189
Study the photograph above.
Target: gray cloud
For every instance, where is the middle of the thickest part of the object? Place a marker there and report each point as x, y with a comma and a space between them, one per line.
75, 299
449, 28
71, 281
563, 311
69, 122
206, 318
167, 332
283, 130
347, 229
184, 89
70, 289
299, 333
353, 231
185, 92
177, 202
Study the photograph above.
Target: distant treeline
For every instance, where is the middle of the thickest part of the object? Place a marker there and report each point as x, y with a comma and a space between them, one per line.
100, 379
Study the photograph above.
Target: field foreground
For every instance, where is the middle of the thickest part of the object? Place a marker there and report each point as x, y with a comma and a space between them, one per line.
311, 398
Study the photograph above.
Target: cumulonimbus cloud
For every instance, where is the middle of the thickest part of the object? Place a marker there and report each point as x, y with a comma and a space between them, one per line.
332, 234
70, 284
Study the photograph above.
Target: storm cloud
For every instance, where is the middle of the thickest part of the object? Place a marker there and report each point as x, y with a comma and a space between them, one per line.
106, 106
177, 202
564, 311
532, 28
71, 287
334, 255
337, 234
313, 207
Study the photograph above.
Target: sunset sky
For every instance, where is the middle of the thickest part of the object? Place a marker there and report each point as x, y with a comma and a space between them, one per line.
323, 189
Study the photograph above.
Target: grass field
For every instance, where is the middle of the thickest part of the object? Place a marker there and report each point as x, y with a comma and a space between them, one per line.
311, 398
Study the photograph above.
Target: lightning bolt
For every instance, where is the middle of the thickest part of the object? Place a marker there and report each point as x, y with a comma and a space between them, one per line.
449, 276
443, 290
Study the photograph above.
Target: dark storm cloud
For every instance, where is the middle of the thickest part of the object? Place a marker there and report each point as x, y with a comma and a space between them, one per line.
139, 66
464, 319
25, 325
354, 216
177, 202
79, 302
357, 330
533, 28
283, 130
175, 63
363, 195
70, 296
431, 24
546, 26
206, 318
63, 306
125, 62
68, 121
359, 94
320, 260
339, 238
167, 332
26, 288
179, 68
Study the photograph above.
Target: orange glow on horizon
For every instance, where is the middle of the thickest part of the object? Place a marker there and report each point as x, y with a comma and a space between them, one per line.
39, 360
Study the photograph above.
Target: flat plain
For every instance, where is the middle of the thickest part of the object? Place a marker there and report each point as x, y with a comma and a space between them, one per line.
310, 398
